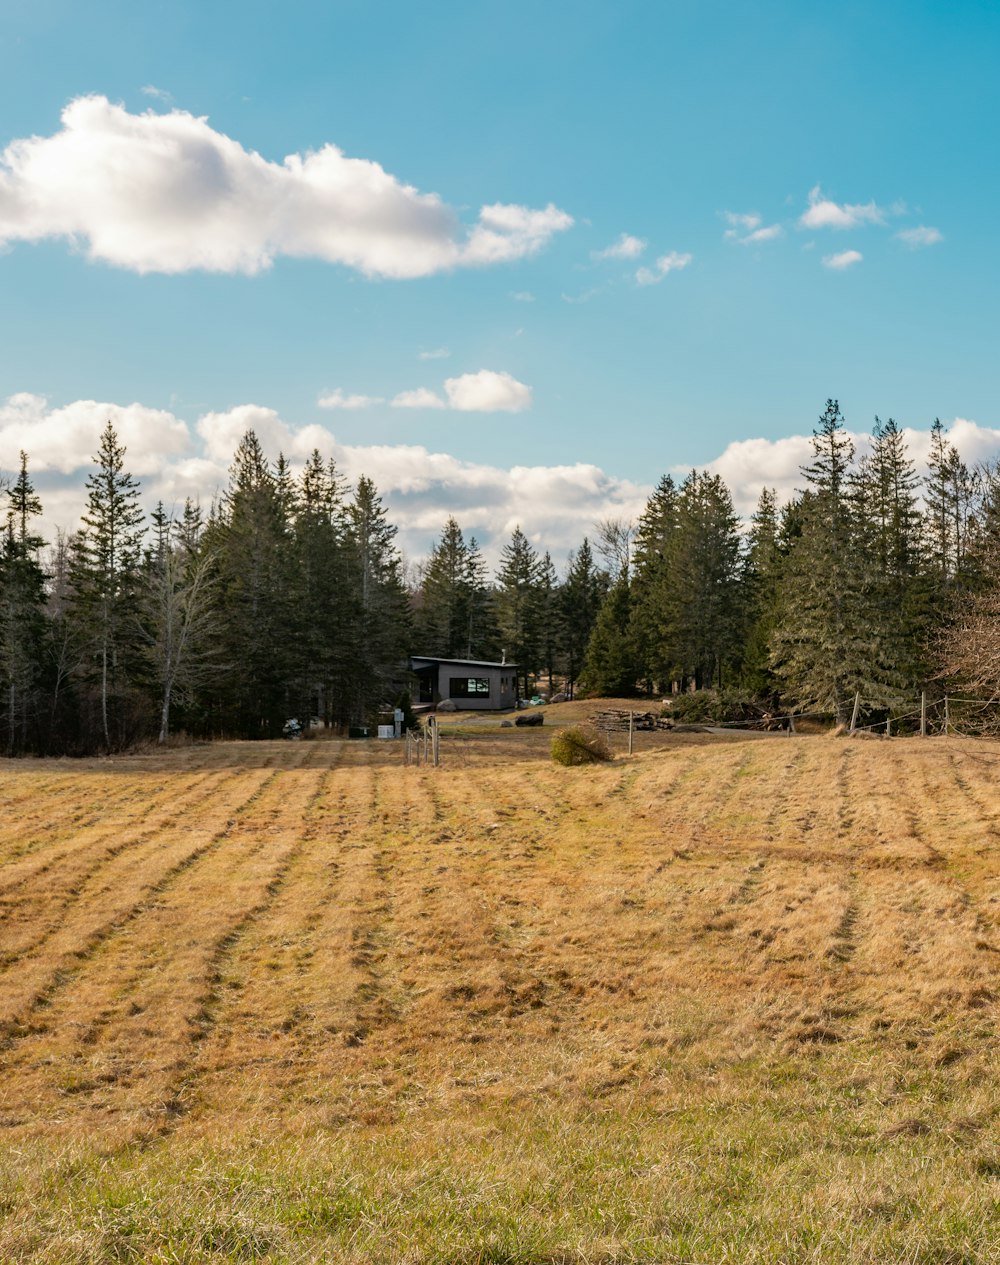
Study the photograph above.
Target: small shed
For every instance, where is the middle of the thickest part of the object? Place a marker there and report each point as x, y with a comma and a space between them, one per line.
472, 684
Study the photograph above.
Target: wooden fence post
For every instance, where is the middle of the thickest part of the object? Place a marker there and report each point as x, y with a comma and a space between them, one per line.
630, 733
436, 744
854, 714
923, 713
888, 727
946, 721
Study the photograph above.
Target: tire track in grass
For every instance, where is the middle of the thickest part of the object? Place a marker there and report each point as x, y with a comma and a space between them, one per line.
282, 995
124, 1034
38, 981
39, 839
43, 898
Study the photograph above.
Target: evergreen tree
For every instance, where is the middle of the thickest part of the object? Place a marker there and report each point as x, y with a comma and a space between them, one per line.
653, 637
829, 641
579, 602
249, 539
444, 609
761, 572
22, 617
700, 604
382, 633
518, 605
105, 575
611, 668
949, 494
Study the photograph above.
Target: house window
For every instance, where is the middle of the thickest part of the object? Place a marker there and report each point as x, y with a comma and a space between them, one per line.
469, 687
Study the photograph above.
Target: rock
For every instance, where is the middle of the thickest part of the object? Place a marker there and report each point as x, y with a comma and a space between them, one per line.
506, 724
532, 718
447, 705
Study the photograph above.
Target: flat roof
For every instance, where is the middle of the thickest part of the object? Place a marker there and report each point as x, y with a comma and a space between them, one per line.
429, 659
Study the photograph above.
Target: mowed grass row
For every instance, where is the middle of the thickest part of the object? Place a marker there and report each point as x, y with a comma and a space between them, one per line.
722, 1001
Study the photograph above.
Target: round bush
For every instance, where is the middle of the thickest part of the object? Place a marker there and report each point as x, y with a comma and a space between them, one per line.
583, 744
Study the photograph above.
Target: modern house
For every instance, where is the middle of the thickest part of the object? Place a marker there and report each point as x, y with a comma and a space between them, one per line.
469, 683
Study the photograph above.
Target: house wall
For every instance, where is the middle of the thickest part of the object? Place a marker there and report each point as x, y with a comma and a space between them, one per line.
456, 684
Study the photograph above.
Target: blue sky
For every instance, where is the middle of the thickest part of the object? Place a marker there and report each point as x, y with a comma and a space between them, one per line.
852, 144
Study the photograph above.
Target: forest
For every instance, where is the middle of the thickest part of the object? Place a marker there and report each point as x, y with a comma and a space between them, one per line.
290, 598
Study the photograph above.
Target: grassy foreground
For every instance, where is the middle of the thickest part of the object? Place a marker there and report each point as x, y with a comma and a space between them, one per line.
725, 1001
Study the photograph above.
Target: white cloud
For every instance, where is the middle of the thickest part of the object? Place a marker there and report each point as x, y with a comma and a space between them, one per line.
523, 296
843, 259
64, 439
555, 505
167, 193
665, 263
484, 392
487, 392
924, 235
748, 228
337, 399
159, 94
419, 397
626, 247
439, 353
823, 213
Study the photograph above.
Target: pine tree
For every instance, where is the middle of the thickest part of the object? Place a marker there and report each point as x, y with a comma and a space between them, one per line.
761, 571
105, 575
828, 642
579, 602
382, 633
653, 636
23, 631
611, 668
518, 605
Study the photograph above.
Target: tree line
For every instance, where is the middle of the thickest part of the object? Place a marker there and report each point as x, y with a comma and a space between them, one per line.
289, 598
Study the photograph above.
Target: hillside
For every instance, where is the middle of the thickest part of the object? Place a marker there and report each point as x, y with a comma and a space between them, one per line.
726, 1000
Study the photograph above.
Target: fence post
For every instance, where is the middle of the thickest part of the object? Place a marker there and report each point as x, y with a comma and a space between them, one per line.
854, 714
888, 729
946, 722
923, 713
436, 744
630, 732
791, 724
406, 757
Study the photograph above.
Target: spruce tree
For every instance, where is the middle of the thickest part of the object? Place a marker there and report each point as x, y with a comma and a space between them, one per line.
829, 641
105, 566
518, 605
579, 602
23, 630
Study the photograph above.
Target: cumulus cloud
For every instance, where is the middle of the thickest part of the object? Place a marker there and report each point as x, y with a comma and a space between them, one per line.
337, 399
626, 247
486, 391
167, 193
555, 505
64, 439
665, 263
822, 213
749, 465
419, 397
844, 259
921, 236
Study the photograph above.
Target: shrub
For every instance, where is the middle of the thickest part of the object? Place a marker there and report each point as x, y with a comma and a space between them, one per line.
583, 744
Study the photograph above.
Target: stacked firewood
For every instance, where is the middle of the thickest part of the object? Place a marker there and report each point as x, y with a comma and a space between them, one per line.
618, 718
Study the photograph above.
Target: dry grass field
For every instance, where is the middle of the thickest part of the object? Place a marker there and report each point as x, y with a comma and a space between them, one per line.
727, 1000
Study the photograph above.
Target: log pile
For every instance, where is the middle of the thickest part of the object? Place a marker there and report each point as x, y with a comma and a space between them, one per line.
617, 719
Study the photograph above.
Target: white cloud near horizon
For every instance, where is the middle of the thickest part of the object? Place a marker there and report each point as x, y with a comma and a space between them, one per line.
670, 262
823, 213
626, 247
844, 259
748, 228
167, 193
555, 505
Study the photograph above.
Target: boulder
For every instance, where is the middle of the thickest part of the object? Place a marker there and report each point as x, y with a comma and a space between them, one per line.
532, 718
